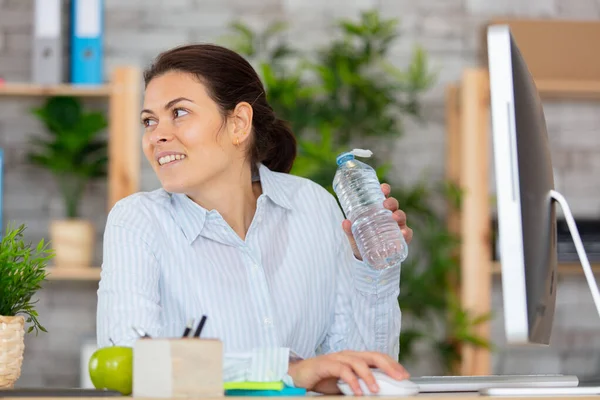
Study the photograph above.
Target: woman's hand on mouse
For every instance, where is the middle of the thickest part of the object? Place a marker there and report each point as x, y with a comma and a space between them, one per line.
320, 374
391, 203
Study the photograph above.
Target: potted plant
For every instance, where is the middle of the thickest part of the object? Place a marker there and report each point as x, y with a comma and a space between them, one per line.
22, 269
75, 154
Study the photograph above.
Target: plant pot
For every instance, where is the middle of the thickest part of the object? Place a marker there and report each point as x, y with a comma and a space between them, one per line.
73, 243
12, 346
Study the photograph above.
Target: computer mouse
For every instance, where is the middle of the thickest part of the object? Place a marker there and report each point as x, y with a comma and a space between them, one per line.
388, 386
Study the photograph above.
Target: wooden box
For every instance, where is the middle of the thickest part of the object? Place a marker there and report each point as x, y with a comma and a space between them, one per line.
554, 49
180, 368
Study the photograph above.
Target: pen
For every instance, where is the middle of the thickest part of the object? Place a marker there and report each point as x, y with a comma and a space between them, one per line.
188, 328
200, 326
141, 333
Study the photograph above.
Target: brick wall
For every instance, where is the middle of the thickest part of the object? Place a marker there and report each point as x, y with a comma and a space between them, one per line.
446, 28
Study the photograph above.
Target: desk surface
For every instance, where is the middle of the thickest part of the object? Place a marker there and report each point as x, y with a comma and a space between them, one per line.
424, 396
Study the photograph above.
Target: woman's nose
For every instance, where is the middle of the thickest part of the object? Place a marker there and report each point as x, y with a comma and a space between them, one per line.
159, 135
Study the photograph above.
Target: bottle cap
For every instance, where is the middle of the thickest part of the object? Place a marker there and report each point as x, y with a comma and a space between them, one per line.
362, 153
349, 155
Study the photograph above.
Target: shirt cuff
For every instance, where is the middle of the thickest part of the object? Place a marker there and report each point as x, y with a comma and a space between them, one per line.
287, 379
260, 365
373, 282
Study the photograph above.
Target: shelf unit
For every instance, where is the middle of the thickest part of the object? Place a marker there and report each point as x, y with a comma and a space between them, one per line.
123, 93
30, 89
567, 70
73, 274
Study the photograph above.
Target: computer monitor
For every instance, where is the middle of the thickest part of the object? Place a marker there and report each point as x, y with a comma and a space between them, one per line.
525, 196
526, 201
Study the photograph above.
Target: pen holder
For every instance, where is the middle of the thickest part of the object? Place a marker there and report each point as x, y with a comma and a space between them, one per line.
178, 368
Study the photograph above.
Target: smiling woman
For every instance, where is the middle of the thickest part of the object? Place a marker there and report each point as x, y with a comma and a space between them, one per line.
232, 235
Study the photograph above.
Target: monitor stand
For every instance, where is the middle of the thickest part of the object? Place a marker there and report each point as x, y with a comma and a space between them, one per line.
591, 281
583, 259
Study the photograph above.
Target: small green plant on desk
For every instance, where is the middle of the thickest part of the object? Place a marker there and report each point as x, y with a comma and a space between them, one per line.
22, 270
345, 93
75, 154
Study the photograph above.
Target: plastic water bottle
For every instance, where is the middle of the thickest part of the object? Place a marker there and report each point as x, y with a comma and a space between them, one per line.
378, 236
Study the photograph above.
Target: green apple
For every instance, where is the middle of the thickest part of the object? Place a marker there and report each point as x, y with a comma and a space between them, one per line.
112, 368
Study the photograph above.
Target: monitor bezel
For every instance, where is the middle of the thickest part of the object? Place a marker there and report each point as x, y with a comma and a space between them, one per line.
508, 196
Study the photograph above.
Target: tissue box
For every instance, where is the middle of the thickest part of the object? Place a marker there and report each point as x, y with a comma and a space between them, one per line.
186, 367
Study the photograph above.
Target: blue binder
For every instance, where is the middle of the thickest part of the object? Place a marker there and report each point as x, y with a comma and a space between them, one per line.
87, 52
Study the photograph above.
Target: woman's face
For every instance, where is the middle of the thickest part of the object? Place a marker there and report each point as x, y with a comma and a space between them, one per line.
187, 141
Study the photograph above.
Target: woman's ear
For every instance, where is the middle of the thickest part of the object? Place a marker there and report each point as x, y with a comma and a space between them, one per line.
241, 123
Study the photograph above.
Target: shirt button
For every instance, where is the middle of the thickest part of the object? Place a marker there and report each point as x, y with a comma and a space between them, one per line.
258, 219
268, 321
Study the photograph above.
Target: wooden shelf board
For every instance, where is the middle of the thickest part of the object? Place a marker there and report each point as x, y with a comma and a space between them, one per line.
564, 268
73, 274
569, 89
30, 89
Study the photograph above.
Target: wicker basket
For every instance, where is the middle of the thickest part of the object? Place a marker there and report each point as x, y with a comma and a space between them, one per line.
12, 346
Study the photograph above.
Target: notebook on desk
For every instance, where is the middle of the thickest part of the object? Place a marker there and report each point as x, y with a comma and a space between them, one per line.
57, 392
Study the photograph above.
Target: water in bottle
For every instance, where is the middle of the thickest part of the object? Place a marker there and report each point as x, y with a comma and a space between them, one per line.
378, 236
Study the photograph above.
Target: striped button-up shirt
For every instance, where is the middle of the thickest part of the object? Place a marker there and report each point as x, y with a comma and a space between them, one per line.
293, 286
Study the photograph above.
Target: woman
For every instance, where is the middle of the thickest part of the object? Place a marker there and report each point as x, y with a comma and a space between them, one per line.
233, 236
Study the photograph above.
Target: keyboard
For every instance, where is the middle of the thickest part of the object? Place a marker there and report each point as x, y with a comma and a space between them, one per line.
441, 384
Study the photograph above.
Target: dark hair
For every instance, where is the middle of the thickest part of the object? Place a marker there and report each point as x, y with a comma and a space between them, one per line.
229, 80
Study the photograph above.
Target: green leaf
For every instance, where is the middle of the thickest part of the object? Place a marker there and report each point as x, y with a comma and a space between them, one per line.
275, 28
22, 270
242, 38
482, 318
408, 340
74, 150
475, 340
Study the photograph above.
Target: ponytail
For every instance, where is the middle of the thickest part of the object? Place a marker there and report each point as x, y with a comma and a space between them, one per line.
281, 152
275, 146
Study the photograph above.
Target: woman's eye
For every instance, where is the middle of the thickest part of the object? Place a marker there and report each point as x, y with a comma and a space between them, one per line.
147, 122
179, 112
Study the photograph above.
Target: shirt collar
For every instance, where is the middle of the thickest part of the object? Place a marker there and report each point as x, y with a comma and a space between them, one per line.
191, 217
275, 187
